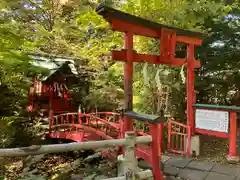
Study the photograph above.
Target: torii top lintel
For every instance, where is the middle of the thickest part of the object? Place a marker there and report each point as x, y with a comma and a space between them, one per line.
168, 36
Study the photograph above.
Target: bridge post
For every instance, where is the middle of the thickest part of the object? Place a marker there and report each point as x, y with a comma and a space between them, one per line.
80, 121
50, 119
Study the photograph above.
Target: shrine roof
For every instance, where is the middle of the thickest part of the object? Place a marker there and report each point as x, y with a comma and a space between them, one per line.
50, 61
64, 66
110, 13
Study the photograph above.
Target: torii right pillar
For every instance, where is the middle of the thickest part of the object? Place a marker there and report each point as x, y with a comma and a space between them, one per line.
194, 144
191, 97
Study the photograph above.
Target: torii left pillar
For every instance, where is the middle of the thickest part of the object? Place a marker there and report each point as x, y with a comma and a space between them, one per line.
128, 81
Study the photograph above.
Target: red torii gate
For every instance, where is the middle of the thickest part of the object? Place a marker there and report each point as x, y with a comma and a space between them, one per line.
169, 36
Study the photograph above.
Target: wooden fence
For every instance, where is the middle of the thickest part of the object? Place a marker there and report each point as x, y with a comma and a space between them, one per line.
130, 161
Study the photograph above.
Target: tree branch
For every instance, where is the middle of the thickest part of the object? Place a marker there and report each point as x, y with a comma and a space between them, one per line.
45, 14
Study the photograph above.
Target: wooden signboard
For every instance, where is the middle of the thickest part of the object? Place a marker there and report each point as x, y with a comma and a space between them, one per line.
212, 120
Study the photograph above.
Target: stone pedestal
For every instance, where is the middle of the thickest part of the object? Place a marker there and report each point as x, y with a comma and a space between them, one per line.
195, 145
233, 159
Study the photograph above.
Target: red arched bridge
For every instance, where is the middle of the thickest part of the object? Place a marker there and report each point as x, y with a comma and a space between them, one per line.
84, 127
94, 126
81, 127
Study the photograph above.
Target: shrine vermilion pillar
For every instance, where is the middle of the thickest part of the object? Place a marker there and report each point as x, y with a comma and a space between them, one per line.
232, 154
190, 87
128, 76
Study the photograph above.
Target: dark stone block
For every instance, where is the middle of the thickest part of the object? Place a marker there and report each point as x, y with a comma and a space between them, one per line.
180, 162
226, 169
192, 174
171, 171
217, 176
200, 166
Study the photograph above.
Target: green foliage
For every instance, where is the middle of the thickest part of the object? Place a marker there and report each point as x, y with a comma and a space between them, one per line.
7, 131
218, 81
16, 73
14, 68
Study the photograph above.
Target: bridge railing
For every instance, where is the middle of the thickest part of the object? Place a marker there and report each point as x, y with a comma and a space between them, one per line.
130, 165
109, 116
86, 119
68, 124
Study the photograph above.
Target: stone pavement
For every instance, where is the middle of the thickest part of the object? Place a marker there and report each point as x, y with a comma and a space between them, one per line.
189, 169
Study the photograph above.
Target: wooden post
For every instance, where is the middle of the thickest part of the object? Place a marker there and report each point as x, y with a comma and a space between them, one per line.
161, 139
232, 155
121, 133
156, 150
169, 135
50, 108
190, 87
128, 75
50, 119
80, 121
130, 160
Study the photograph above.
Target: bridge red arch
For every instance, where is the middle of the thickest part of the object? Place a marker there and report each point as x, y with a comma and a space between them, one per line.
81, 127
